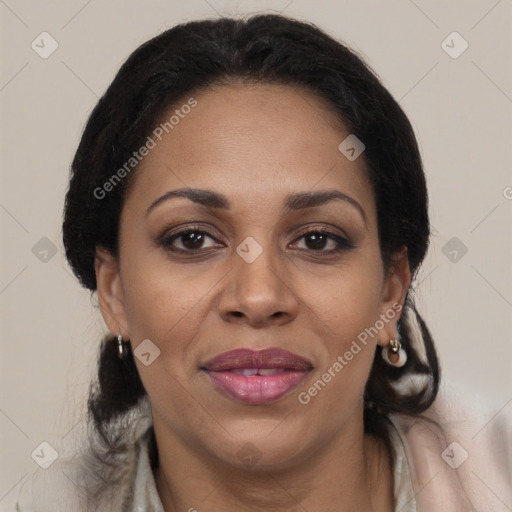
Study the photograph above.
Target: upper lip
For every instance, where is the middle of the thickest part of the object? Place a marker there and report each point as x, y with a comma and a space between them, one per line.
267, 358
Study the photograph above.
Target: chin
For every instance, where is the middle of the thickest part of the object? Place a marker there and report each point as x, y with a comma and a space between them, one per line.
260, 448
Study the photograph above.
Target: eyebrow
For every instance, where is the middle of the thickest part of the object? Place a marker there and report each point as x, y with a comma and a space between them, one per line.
293, 202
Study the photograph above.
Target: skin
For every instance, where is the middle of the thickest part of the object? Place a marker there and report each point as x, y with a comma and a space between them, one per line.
255, 144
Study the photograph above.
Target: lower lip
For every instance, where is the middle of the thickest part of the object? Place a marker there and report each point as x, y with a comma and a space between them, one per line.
256, 388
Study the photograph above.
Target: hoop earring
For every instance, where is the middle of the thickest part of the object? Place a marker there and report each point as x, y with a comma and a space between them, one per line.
121, 350
394, 354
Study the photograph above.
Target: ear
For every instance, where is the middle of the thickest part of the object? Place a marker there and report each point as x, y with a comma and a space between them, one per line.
394, 291
110, 292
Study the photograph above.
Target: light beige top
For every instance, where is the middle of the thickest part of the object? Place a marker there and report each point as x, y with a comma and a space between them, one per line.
452, 458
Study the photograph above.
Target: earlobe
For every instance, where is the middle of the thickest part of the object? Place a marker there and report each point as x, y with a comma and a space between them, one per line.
110, 292
395, 289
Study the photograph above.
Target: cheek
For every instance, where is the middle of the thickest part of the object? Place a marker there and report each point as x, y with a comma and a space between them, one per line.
161, 298
343, 314
344, 308
165, 305
347, 300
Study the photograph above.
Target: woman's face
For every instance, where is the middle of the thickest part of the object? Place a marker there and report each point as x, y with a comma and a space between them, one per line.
254, 273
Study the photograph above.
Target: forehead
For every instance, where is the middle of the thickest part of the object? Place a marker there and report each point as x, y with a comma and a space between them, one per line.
253, 142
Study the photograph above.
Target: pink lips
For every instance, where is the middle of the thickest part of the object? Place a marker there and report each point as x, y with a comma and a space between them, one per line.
257, 376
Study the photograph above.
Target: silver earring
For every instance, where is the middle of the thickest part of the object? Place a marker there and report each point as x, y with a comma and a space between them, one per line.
121, 351
394, 354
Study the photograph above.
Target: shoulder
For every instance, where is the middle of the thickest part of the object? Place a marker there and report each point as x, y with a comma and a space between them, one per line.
93, 472
90, 476
57, 487
460, 451
80, 483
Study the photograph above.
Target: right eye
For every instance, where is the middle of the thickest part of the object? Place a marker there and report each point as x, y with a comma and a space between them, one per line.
190, 240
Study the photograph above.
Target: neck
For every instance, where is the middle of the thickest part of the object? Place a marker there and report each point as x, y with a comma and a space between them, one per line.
349, 472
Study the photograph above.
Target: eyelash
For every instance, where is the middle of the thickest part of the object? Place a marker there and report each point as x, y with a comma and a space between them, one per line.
166, 241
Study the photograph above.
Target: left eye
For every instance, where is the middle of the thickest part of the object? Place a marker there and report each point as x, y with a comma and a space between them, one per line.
318, 241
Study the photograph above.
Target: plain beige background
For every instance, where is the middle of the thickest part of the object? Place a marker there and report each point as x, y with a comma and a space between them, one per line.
461, 110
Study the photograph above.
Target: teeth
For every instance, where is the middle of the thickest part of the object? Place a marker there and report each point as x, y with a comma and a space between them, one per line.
247, 372
270, 371
251, 372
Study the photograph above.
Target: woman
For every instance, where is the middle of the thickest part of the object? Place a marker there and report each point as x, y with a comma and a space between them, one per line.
249, 203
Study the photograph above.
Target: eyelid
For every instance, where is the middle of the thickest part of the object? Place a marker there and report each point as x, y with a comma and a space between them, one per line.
325, 226
177, 231
171, 230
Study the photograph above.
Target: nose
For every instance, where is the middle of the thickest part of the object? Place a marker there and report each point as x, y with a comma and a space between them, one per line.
259, 293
